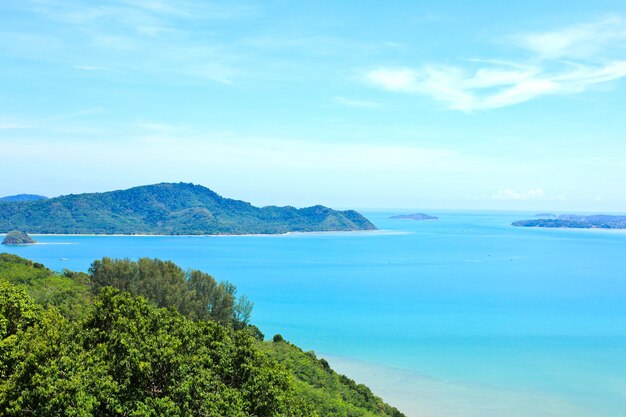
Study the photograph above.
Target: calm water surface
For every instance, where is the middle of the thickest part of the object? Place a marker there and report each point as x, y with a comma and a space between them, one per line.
467, 299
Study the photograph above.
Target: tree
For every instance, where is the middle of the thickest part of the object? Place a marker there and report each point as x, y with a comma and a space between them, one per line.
127, 357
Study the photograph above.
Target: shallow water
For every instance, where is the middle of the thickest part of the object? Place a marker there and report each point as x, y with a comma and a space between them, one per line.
496, 316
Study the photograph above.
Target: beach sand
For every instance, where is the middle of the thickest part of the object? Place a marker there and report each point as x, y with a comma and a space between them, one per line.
418, 395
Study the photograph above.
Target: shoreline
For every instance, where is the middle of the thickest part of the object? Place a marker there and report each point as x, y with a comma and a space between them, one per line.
420, 395
327, 232
577, 229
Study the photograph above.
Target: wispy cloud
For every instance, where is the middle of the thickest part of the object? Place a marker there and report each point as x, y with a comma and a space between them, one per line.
134, 36
350, 102
509, 194
525, 195
577, 41
566, 61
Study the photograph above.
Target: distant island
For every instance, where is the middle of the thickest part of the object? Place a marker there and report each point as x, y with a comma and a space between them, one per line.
22, 197
546, 215
414, 216
573, 221
169, 209
16, 237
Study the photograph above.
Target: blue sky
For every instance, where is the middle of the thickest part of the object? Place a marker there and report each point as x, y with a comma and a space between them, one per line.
449, 104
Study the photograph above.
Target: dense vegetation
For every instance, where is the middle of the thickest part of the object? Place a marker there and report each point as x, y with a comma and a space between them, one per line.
73, 344
15, 237
169, 209
195, 294
599, 221
330, 393
22, 197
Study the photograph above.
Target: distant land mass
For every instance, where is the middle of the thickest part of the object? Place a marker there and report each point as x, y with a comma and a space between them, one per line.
22, 197
546, 215
16, 237
169, 209
573, 221
414, 216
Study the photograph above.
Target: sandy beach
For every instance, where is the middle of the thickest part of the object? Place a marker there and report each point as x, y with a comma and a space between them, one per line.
419, 395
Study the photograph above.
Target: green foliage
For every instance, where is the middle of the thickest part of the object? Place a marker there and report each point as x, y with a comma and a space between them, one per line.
127, 357
68, 292
21, 271
168, 209
255, 332
195, 294
17, 310
331, 394
115, 354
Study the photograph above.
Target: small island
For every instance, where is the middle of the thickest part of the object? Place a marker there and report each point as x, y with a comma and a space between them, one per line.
16, 237
414, 216
574, 221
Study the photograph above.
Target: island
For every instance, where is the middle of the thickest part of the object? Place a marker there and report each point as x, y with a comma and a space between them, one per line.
574, 221
414, 216
16, 237
169, 209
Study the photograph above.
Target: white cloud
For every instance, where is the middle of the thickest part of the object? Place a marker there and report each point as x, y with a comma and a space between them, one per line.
577, 41
556, 67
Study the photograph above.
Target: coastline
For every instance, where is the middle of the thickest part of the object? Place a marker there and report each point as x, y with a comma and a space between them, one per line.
575, 229
328, 232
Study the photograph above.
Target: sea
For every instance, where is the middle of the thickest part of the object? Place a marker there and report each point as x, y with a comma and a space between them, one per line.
465, 316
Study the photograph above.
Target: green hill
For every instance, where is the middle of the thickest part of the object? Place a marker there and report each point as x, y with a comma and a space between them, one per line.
76, 344
22, 197
170, 209
318, 385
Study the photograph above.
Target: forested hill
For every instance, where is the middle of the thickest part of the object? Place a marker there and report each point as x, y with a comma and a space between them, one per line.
22, 197
169, 208
146, 338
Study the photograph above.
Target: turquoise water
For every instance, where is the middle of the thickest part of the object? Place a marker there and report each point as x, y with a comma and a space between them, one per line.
465, 300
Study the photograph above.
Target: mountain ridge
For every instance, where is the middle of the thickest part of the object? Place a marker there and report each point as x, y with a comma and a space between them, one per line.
169, 209
22, 197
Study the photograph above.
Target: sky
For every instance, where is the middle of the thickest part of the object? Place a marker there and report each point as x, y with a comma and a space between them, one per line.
360, 104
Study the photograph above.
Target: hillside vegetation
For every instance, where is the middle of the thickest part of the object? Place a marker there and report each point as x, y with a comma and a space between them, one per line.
76, 344
170, 209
